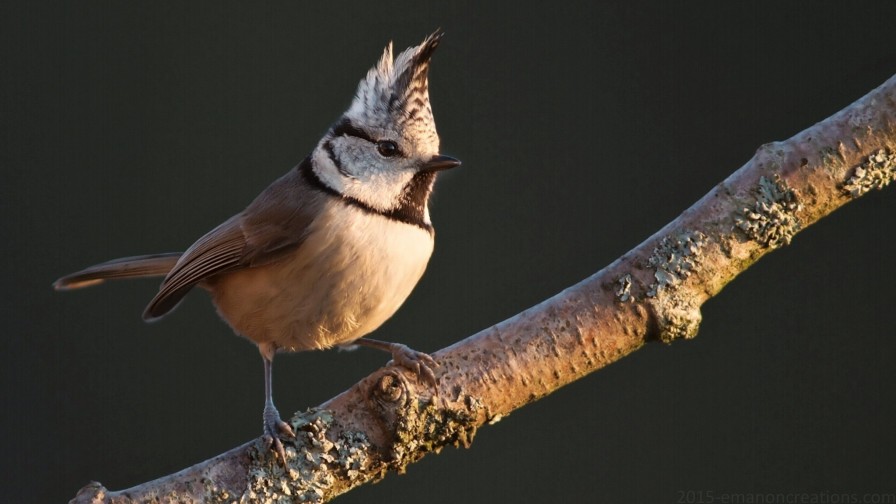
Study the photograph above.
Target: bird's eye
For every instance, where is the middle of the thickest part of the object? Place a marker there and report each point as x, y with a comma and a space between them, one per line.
387, 148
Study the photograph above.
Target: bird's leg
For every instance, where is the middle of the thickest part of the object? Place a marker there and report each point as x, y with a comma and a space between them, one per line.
274, 427
418, 362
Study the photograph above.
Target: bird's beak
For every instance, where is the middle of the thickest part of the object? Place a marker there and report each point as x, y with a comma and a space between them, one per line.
439, 163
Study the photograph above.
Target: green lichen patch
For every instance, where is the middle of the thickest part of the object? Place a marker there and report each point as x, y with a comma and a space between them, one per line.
674, 259
316, 465
214, 493
423, 427
875, 173
678, 317
624, 288
771, 220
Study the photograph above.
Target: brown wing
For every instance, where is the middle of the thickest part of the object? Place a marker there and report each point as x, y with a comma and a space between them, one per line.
273, 225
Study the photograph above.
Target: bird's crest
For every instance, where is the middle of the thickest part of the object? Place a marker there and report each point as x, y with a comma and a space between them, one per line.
395, 93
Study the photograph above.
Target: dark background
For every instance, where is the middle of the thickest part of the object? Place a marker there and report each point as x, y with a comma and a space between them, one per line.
583, 129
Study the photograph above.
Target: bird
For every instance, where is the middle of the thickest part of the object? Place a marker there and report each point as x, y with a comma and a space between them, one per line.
330, 250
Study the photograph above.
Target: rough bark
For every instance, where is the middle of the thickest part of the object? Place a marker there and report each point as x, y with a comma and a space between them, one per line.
654, 292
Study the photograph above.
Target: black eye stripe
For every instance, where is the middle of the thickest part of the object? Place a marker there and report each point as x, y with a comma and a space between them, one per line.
345, 128
328, 148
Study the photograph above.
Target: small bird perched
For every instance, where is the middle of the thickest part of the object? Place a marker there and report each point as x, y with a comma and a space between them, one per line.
329, 251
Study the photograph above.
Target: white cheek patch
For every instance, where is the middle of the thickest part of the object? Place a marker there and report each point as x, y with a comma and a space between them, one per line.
326, 171
380, 190
379, 187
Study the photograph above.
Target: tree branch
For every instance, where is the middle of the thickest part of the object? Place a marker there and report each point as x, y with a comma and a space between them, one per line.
389, 419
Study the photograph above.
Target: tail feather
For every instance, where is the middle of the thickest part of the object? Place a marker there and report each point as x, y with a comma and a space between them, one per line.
116, 269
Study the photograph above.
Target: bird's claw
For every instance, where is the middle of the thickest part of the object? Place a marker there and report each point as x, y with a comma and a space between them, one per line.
420, 363
274, 429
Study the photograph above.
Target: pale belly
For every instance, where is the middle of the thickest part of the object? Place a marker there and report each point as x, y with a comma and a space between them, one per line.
343, 282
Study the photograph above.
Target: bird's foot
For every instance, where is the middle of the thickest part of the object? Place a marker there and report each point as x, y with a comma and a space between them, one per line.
420, 363
274, 429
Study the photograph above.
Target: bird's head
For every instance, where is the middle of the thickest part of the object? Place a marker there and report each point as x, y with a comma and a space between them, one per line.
384, 151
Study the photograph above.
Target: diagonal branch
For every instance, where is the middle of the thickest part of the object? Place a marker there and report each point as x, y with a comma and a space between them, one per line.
654, 292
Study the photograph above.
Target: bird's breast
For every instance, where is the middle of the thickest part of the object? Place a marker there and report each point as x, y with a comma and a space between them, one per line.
351, 273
